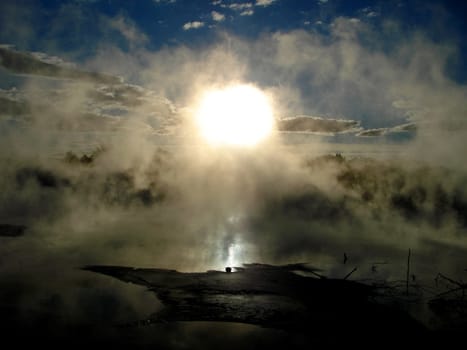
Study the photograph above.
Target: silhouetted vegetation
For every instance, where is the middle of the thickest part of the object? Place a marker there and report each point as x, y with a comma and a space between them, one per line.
8, 230
416, 193
42, 177
85, 159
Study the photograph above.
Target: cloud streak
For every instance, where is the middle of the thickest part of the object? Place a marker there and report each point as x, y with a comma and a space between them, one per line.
317, 125
128, 30
25, 63
403, 128
264, 3
193, 25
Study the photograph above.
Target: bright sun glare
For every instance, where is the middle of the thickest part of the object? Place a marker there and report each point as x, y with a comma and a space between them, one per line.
238, 115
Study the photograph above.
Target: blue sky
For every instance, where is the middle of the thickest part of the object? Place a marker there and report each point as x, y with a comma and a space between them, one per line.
163, 20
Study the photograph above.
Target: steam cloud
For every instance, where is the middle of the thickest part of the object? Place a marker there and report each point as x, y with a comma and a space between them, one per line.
153, 196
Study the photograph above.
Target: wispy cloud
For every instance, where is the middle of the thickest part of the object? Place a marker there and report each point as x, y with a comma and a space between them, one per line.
246, 8
403, 128
373, 132
264, 3
369, 12
193, 25
217, 16
165, 1
93, 101
239, 6
247, 13
317, 125
26, 63
128, 30
54, 60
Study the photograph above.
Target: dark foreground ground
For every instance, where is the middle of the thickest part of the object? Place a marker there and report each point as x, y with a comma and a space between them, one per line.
256, 306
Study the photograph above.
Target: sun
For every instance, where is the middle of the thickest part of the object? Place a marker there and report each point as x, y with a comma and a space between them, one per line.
237, 115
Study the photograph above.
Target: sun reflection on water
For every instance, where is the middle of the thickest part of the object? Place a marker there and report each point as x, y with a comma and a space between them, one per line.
234, 255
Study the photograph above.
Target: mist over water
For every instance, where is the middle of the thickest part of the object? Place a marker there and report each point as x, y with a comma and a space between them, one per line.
199, 208
108, 168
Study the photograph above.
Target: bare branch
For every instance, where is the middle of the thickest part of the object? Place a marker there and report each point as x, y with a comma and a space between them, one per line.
350, 273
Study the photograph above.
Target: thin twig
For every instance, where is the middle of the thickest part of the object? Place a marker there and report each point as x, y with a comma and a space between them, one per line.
350, 273
461, 285
449, 292
408, 274
317, 274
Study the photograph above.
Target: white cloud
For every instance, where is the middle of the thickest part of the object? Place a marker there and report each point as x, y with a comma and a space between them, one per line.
216, 16
128, 30
369, 12
240, 7
373, 132
193, 25
247, 13
402, 128
55, 60
264, 2
322, 1
216, 2
318, 125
